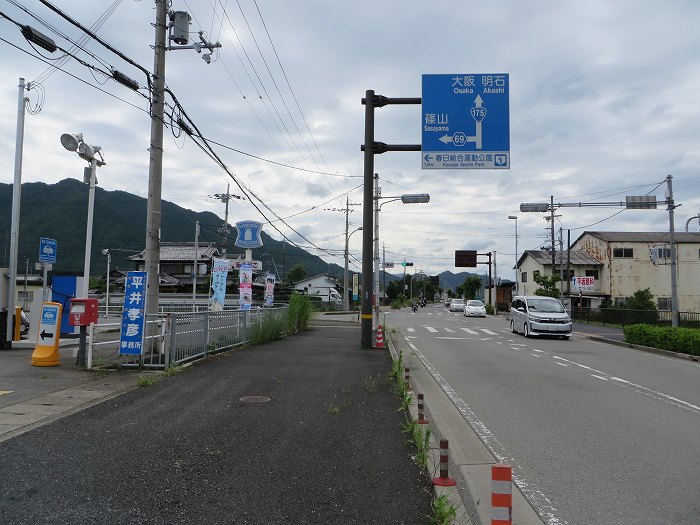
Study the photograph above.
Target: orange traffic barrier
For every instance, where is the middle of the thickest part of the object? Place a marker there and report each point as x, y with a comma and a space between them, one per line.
380, 338
501, 495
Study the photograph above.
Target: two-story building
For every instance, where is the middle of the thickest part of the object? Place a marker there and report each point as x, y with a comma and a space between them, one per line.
177, 261
637, 260
622, 263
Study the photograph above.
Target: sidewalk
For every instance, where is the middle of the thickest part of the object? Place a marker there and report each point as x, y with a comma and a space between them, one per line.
299, 431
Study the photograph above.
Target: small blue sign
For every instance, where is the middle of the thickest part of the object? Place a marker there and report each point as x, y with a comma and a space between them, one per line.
47, 250
466, 122
249, 234
133, 314
49, 314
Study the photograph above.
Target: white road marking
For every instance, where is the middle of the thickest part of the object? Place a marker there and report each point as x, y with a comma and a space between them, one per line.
469, 331
485, 330
536, 497
599, 377
410, 329
449, 330
430, 329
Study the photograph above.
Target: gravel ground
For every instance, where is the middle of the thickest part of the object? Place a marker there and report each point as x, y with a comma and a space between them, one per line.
325, 449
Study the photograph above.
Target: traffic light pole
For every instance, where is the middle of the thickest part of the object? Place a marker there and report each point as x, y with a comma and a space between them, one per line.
370, 149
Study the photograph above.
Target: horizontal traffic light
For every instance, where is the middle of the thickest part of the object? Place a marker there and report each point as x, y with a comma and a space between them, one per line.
406, 263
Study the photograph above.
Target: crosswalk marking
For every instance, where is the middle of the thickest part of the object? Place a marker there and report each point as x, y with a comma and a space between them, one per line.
430, 329
449, 330
410, 329
470, 331
488, 331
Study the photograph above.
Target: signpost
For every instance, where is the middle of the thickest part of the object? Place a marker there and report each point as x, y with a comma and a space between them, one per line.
465, 121
48, 336
47, 258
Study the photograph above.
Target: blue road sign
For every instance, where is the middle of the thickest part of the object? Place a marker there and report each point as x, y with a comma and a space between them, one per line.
47, 250
466, 123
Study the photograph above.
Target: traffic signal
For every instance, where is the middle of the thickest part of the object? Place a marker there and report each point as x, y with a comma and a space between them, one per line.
406, 263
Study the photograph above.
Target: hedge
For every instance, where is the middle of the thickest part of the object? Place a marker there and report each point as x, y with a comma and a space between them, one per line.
682, 340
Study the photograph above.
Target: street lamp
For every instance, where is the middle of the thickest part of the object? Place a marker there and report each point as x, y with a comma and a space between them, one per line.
346, 298
86, 152
406, 198
515, 218
109, 260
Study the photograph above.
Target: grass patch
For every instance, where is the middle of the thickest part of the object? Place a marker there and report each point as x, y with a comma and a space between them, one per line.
299, 313
333, 409
145, 381
443, 513
173, 370
271, 328
369, 384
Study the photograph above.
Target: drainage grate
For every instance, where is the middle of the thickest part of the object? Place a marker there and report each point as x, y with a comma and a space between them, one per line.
254, 399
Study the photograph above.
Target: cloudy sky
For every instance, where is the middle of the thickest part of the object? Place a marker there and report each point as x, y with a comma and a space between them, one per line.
604, 102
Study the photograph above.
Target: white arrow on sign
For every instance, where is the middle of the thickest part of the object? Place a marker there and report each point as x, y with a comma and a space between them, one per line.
478, 113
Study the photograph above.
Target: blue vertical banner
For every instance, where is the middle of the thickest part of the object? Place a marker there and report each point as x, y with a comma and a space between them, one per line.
133, 314
219, 273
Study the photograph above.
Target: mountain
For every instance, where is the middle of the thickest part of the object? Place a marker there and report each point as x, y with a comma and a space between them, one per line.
59, 211
450, 281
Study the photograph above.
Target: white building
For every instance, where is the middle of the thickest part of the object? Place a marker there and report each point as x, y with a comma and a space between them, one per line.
622, 263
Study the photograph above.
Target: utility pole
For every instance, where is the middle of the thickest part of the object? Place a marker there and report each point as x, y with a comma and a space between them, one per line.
551, 225
195, 266
674, 283
377, 194
155, 167
224, 231
14, 228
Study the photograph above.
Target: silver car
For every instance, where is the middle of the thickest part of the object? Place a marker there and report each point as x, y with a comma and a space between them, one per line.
457, 305
474, 308
539, 315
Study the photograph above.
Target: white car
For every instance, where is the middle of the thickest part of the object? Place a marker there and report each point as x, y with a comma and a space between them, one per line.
474, 308
457, 305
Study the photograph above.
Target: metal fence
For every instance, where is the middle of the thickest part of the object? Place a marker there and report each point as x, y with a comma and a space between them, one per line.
621, 316
177, 338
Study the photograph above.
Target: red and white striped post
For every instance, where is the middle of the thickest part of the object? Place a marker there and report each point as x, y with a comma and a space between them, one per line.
444, 480
421, 418
501, 495
406, 380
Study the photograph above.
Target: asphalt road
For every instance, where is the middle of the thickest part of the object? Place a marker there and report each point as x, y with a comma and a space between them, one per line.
596, 433
299, 431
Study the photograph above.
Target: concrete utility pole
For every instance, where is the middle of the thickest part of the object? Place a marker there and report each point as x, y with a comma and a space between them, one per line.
14, 228
155, 167
674, 277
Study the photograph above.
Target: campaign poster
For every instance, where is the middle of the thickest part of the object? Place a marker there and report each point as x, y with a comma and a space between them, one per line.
246, 286
219, 272
269, 289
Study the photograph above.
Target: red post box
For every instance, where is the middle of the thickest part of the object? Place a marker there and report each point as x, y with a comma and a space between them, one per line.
83, 312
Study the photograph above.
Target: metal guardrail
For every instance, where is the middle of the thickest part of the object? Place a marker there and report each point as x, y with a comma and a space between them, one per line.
622, 316
181, 337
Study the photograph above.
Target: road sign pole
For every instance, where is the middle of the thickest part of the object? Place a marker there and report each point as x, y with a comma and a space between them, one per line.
367, 219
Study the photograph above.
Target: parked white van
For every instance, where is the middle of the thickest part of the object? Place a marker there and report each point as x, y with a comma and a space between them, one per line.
539, 315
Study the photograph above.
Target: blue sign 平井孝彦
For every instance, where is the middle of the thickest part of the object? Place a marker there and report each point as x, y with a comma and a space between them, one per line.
465, 121
47, 250
133, 314
249, 234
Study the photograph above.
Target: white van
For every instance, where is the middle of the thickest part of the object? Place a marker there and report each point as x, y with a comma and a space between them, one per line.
539, 315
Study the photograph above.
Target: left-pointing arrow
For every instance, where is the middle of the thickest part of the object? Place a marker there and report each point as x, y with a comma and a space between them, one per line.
44, 335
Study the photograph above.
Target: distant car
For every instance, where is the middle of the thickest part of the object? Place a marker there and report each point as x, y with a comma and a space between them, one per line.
457, 305
474, 308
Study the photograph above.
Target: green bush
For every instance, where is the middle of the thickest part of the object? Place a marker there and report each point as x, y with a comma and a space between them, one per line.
489, 309
682, 340
273, 327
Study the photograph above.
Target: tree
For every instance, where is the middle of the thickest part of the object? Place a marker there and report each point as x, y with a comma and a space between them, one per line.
297, 273
548, 285
470, 287
641, 300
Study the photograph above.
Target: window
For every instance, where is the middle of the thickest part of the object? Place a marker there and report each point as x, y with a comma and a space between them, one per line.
664, 303
619, 300
523, 277
623, 253
592, 273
